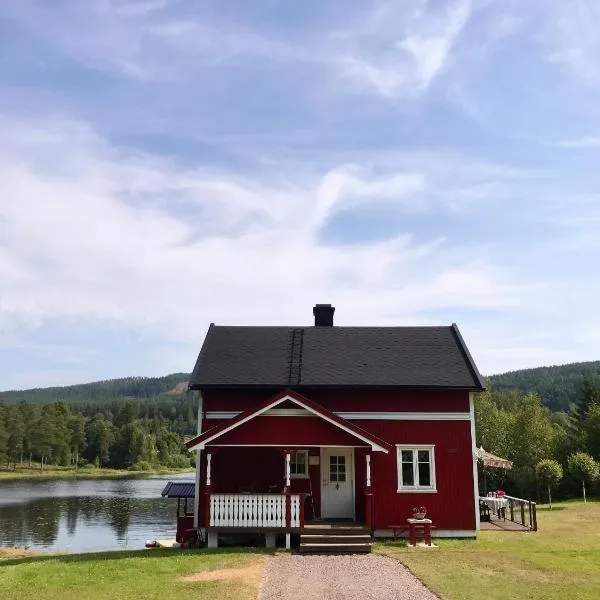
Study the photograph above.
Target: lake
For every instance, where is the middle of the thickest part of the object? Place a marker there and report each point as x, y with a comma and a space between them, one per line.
86, 515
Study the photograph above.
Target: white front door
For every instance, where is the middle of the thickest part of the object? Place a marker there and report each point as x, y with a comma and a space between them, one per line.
337, 483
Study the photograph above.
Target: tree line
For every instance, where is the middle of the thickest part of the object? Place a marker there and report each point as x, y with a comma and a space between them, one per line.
551, 450
120, 434
559, 387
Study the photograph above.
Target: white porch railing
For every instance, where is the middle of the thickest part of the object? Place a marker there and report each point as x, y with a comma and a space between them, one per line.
253, 510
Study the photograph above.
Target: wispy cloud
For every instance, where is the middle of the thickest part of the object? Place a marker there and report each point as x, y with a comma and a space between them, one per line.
587, 141
120, 232
574, 38
401, 49
166, 163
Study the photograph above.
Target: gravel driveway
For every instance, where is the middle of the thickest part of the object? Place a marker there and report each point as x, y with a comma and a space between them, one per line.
343, 577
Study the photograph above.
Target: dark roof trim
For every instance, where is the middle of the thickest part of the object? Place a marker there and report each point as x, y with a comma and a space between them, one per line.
470, 362
200, 357
179, 489
337, 386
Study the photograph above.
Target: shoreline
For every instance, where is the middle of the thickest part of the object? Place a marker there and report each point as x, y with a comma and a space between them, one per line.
33, 473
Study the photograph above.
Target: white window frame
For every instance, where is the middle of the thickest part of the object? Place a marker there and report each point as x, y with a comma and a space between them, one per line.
295, 458
416, 488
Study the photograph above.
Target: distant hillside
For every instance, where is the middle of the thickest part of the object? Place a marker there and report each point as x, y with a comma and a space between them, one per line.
558, 386
105, 391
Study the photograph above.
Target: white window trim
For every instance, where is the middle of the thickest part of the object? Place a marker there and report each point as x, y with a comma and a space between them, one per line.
300, 475
402, 489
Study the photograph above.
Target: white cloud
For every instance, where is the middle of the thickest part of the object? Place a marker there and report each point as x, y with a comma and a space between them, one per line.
94, 232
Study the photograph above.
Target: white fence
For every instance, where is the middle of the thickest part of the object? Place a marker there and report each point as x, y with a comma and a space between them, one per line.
253, 510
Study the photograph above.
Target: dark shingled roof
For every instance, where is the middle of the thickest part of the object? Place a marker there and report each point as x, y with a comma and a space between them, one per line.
179, 489
297, 357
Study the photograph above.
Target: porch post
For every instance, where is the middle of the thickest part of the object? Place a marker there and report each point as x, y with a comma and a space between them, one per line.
368, 493
207, 489
288, 484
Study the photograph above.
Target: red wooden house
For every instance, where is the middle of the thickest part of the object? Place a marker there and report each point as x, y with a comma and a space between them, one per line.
302, 427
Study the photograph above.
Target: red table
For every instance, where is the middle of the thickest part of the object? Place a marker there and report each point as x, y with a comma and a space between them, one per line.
419, 528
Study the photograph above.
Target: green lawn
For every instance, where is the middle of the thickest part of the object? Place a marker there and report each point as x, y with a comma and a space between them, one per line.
54, 472
561, 561
139, 575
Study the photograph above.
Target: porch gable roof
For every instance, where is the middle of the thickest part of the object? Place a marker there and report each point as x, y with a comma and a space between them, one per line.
377, 444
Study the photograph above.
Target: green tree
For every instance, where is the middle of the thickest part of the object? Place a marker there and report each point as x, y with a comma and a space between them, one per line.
583, 468
591, 430
101, 436
492, 424
3, 434
16, 433
550, 473
76, 426
533, 439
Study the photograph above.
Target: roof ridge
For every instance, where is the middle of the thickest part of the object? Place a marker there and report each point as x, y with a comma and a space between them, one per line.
296, 347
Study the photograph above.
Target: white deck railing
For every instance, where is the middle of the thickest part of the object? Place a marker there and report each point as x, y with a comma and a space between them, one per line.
253, 510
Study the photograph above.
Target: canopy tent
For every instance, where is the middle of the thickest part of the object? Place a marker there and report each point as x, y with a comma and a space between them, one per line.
491, 460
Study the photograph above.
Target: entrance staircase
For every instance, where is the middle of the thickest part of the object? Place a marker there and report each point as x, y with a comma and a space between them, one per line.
334, 538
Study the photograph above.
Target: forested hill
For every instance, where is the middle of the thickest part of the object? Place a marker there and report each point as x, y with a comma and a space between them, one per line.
140, 388
559, 387
134, 423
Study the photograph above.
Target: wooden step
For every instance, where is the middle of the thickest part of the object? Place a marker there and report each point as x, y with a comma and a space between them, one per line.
316, 530
335, 548
334, 539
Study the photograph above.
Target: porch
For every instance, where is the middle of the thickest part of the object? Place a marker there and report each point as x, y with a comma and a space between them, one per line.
282, 491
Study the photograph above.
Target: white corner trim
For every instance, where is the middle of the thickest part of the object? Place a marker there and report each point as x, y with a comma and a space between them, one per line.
376, 447
198, 461
474, 458
352, 416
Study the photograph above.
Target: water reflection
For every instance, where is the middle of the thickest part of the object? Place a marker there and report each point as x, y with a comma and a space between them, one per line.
85, 515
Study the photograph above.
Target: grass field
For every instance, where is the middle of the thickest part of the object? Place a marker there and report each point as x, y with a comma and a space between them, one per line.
54, 472
140, 575
559, 562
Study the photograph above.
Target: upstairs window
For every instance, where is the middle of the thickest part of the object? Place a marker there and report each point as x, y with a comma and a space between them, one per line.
416, 468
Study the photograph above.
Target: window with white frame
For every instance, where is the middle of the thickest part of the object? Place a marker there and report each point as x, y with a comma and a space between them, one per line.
299, 464
416, 468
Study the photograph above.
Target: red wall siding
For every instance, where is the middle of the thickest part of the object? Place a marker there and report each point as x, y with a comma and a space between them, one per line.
298, 431
452, 507
348, 400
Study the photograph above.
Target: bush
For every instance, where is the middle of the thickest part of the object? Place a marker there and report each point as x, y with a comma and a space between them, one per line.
142, 465
179, 462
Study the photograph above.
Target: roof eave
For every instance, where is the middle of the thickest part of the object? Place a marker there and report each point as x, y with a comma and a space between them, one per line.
277, 386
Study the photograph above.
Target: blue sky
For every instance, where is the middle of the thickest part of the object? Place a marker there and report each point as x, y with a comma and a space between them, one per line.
168, 163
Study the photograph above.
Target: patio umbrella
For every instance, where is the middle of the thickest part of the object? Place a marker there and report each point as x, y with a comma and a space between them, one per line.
491, 460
